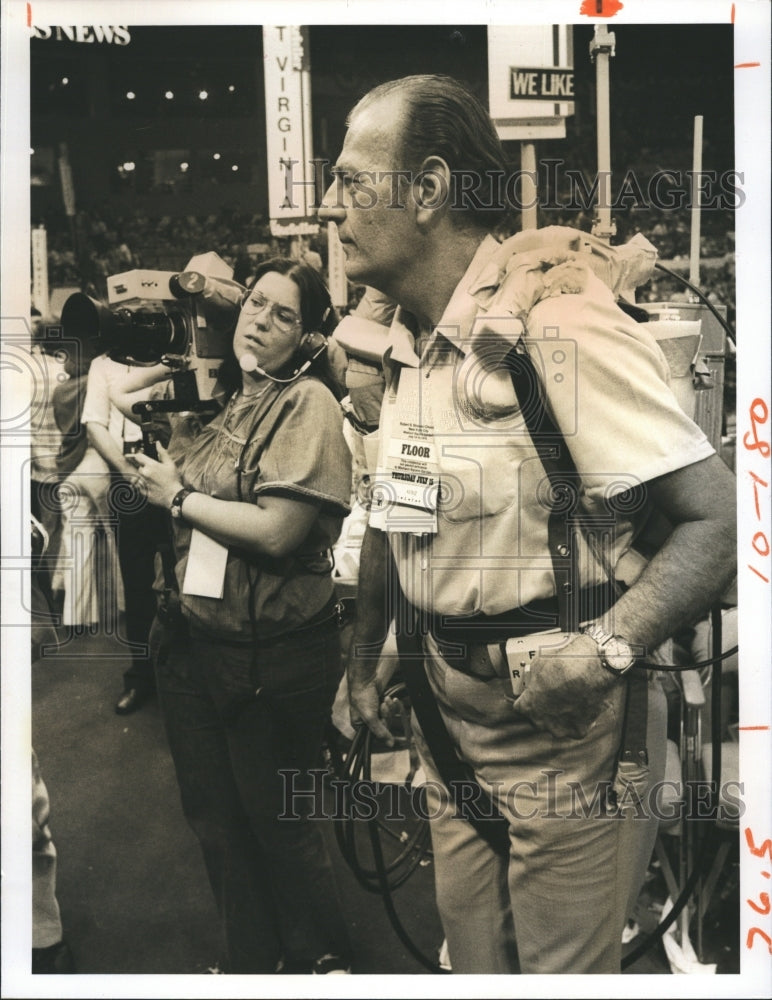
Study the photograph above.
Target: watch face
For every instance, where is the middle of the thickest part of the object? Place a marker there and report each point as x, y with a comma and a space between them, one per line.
618, 654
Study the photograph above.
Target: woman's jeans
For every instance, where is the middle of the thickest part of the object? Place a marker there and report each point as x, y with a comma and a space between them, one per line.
233, 721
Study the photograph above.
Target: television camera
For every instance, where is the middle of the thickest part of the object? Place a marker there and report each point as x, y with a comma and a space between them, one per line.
182, 319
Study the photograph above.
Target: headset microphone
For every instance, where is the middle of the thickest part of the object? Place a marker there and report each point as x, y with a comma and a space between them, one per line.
248, 363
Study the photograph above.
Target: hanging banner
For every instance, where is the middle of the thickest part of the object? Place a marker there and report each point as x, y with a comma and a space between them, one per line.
40, 270
531, 80
65, 176
291, 172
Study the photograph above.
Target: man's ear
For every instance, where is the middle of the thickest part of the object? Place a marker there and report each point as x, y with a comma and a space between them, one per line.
431, 190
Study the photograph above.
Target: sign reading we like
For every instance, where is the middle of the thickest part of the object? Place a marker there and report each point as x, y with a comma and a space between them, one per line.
540, 84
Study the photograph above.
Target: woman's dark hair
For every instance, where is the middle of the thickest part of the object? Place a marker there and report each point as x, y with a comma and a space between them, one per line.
317, 315
441, 117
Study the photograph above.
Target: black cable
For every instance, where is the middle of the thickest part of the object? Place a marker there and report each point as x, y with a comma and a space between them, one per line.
388, 902
673, 668
668, 667
714, 791
382, 880
358, 762
679, 277
716, 722
345, 830
715, 706
421, 830
659, 931
378, 881
358, 765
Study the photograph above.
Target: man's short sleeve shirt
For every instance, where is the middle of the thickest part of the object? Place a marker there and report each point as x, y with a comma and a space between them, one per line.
606, 383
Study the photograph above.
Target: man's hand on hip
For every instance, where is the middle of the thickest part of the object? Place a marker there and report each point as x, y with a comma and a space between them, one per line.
566, 689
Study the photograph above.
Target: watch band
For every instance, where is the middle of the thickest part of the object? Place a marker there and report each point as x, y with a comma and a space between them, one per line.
179, 498
604, 640
594, 631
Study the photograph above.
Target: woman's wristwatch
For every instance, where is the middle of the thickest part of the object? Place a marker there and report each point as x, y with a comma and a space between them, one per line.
179, 498
616, 654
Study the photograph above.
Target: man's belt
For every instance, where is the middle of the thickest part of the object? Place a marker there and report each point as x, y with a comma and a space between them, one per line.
477, 659
475, 644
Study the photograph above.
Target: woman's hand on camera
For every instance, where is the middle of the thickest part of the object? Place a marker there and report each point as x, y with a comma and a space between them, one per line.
161, 479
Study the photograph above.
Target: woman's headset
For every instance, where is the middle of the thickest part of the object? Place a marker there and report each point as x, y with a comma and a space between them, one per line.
311, 346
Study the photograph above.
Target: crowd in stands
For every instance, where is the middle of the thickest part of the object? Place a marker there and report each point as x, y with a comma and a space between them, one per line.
110, 244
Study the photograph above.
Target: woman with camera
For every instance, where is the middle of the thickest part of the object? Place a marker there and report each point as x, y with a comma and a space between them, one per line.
257, 497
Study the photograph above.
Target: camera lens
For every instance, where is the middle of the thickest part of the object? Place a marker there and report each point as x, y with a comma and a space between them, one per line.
145, 334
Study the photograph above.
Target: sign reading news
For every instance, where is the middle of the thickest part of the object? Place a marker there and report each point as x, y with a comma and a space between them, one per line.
291, 174
88, 34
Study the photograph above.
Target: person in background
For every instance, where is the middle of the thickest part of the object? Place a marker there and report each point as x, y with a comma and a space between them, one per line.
87, 578
257, 498
49, 373
139, 527
51, 954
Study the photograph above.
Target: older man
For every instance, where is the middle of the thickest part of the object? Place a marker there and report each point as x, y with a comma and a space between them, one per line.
465, 511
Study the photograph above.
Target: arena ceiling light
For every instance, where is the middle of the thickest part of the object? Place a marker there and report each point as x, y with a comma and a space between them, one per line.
169, 95
202, 95
130, 95
215, 156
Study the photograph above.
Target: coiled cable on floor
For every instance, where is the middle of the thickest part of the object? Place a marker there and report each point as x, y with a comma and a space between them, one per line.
397, 871
384, 877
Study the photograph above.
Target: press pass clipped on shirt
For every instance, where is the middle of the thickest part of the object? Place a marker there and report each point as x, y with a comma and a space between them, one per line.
406, 488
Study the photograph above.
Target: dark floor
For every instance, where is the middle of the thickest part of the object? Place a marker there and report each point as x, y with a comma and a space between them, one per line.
131, 883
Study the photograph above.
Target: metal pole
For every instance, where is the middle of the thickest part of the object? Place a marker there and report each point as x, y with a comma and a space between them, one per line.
601, 48
694, 252
529, 192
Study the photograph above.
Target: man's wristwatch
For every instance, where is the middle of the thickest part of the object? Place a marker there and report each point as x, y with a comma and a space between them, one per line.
179, 498
616, 654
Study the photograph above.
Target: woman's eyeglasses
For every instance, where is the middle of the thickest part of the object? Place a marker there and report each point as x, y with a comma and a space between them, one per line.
282, 316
